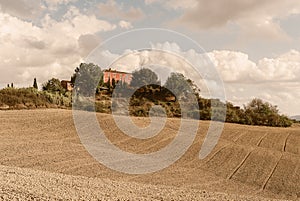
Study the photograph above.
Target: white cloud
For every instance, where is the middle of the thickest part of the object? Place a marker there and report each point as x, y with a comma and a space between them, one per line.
236, 67
54, 48
276, 80
125, 25
75, 24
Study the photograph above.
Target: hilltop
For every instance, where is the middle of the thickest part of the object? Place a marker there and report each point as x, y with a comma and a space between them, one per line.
297, 117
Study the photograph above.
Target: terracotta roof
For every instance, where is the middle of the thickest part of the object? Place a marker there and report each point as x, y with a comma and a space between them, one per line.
115, 71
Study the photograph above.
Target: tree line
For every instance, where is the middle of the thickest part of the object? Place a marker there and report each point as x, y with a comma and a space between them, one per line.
147, 90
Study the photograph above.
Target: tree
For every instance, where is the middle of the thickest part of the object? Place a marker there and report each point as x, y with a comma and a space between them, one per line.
113, 83
53, 85
35, 84
232, 113
86, 78
178, 84
101, 82
258, 112
108, 85
12, 85
144, 77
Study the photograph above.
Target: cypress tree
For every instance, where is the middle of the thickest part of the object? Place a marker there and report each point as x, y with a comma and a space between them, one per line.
35, 84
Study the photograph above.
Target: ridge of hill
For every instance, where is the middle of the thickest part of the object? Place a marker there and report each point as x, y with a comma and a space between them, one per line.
296, 117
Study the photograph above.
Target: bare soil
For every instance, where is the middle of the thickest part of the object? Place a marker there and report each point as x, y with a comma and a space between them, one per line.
41, 158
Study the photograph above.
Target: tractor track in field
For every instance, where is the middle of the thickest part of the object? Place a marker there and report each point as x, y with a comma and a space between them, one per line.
240, 165
271, 174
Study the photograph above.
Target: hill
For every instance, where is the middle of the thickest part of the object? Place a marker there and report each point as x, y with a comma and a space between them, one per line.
247, 161
297, 117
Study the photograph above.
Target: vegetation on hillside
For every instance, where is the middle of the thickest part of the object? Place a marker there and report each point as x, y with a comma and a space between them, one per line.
146, 92
31, 98
256, 112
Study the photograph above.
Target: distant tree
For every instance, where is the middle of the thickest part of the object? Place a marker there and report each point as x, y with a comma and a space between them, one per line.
233, 113
53, 85
108, 83
101, 82
258, 112
178, 84
194, 87
12, 85
8, 86
35, 83
86, 78
113, 83
144, 77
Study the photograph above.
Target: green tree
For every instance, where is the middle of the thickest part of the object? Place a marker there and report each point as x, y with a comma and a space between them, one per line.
107, 84
35, 83
144, 77
53, 85
113, 83
232, 113
86, 78
101, 82
258, 112
178, 84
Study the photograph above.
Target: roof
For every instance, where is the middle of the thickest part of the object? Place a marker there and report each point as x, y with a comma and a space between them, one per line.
115, 71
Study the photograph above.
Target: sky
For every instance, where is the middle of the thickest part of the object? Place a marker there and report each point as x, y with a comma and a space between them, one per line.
254, 44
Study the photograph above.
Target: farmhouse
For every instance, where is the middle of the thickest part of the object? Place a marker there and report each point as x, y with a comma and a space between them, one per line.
108, 76
118, 76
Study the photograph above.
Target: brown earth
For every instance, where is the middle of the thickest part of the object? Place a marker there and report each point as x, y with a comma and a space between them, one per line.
41, 157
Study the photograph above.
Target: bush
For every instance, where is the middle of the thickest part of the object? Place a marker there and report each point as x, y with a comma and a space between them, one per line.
30, 98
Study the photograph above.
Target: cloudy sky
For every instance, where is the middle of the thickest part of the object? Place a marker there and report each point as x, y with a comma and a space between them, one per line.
253, 43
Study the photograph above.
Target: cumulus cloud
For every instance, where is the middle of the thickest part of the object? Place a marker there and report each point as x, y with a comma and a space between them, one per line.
114, 10
53, 48
257, 18
125, 25
276, 80
234, 66
237, 67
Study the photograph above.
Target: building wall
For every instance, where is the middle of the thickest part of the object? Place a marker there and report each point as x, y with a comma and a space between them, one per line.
109, 75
